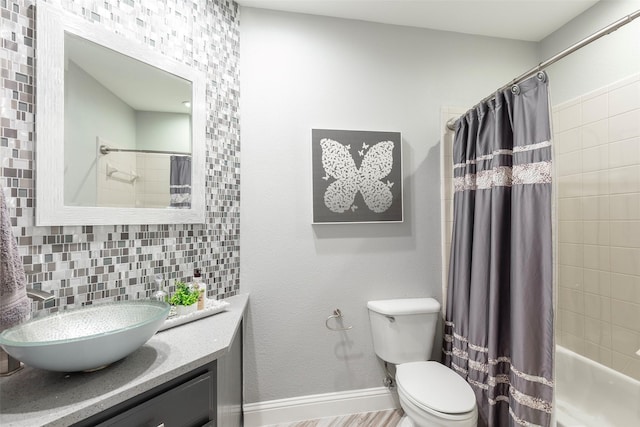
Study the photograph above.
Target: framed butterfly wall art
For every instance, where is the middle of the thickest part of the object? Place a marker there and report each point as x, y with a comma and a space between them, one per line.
357, 176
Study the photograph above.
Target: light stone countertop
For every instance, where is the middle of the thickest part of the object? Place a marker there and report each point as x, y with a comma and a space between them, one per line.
34, 397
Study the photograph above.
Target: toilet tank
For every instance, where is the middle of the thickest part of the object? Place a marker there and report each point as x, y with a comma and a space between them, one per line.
403, 329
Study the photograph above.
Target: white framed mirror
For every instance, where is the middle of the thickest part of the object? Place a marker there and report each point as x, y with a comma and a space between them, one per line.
120, 128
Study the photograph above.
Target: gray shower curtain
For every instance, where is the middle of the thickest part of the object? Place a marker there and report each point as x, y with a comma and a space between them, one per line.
499, 316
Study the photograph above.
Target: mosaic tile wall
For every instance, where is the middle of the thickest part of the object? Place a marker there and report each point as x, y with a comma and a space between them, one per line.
83, 264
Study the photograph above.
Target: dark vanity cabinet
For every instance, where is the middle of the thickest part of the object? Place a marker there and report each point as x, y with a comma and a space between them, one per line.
189, 401
208, 396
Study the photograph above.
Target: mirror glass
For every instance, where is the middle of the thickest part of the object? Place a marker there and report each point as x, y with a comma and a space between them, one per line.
120, 129
127, 130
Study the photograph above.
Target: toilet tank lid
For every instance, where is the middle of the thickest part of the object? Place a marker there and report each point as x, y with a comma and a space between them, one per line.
397, 307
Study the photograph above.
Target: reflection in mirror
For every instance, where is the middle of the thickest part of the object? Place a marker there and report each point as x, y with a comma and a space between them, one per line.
127, 133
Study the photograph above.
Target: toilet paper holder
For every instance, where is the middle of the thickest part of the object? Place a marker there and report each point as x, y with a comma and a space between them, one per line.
337, 314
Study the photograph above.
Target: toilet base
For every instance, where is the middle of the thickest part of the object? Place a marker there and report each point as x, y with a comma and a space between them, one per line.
419, 417
406, 422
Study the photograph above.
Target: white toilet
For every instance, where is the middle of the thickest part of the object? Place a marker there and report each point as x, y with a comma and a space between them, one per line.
430, 393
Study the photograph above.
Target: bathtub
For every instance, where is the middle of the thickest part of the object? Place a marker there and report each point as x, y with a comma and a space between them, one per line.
589, 394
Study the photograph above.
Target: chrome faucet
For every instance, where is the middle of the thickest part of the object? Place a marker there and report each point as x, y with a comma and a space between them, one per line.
38, 295
8, 364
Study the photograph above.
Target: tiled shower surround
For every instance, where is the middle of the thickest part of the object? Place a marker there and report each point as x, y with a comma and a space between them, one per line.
84, 264
597, 143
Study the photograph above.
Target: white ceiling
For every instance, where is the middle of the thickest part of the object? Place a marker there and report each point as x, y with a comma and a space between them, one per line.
530, 20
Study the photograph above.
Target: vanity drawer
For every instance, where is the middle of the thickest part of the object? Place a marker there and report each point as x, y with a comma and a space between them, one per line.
186, 405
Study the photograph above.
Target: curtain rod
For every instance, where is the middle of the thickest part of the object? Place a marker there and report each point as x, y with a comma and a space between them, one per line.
106, 150
558, 56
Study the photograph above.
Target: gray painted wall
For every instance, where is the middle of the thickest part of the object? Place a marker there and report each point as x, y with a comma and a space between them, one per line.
301, 72
604, 61
163, 131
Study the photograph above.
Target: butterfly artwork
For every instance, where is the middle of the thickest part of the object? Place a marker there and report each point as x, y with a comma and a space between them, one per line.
357, 176
349, 179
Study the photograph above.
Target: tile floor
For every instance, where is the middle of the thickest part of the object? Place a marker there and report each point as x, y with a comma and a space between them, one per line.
389, 418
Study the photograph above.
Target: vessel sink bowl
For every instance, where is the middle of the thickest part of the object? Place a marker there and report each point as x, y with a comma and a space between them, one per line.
85, 338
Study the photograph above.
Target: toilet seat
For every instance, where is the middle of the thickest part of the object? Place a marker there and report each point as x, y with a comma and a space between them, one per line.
436, 389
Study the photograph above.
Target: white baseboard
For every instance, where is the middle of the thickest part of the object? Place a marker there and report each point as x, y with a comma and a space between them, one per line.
319, 406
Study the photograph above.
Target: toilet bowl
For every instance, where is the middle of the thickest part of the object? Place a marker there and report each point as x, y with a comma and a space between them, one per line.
431, 394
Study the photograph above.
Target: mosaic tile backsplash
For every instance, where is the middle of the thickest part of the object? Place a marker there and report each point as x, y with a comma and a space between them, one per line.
84, 264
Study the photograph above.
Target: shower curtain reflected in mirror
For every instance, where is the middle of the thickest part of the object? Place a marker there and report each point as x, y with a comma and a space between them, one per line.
499, 316
180, 182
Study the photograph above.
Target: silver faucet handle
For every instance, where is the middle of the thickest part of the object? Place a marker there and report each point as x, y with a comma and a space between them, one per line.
38, 295
160, 295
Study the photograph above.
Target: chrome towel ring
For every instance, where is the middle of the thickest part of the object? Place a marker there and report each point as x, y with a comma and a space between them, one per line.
337, 314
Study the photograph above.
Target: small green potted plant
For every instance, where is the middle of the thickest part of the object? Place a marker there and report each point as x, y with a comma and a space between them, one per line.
184, 299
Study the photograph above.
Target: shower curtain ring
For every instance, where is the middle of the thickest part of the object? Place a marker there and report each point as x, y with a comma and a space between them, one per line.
542, 76
515, 89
